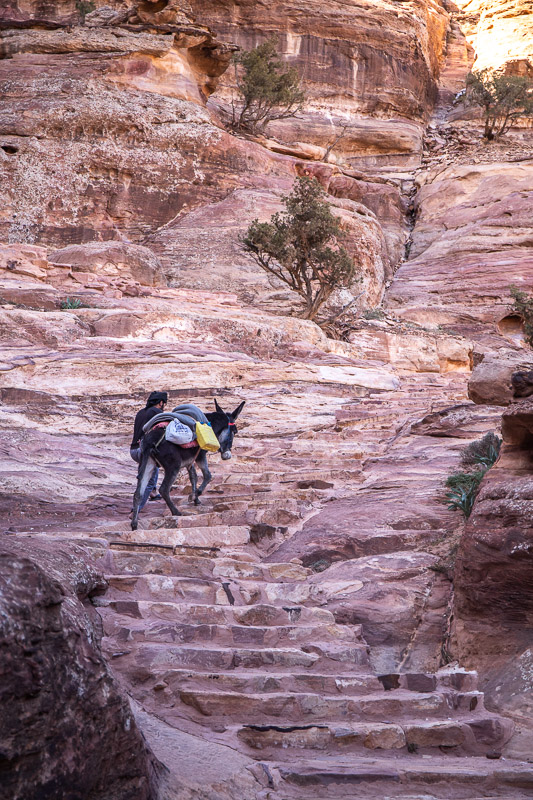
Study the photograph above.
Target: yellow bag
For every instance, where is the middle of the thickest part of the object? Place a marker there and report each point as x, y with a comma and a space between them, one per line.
206, 437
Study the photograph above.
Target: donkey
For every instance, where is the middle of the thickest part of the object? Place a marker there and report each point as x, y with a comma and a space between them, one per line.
172, 458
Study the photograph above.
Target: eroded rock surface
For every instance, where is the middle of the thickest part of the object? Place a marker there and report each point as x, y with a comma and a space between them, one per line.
294, 635
65, 728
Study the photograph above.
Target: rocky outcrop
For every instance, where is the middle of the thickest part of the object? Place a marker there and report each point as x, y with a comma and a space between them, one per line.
65, 728
491, 382
385, 63
501, 33
472, 222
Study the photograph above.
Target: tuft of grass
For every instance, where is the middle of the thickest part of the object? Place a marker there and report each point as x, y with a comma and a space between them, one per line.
482, 452
373, 313
463, 488
72, 303
476, 459
523, 307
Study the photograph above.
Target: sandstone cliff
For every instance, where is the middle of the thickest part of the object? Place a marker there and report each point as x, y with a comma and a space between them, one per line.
298, 634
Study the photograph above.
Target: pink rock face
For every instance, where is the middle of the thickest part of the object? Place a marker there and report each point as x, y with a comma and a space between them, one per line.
359, 60
493, 590
76, 735
473, 222
307, 603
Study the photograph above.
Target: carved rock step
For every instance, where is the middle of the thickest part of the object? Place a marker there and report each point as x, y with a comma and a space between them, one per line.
341, 657
250, 682
198, 536
391, 778
197, 590
200, 566
203, 614
123, 630
475, 735
158, 656
310, 708
446, 678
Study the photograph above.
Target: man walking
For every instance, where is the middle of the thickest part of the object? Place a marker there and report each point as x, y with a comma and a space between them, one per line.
154, 405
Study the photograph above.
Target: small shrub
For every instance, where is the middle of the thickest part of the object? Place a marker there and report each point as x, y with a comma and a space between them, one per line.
503, 98
463, 485
301, 246
71, 303
373, 313
523, 306
85, 7
482, 452
463, 488
267, 89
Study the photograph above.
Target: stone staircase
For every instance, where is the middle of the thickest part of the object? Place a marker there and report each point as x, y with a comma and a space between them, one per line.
237, 651
214, 635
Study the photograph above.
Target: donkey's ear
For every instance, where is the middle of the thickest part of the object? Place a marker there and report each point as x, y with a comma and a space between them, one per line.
218, 407
235, 414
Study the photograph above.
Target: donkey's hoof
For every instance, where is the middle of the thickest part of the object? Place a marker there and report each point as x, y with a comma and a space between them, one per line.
134, 526
197, 501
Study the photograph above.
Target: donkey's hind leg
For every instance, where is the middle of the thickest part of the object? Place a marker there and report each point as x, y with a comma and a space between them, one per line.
193, 477
166, 486
202, 463
146, 471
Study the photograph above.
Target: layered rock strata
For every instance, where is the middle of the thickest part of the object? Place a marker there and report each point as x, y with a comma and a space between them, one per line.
294, 635
385, 64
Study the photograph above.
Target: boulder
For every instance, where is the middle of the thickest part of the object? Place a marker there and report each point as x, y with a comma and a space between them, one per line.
491, 380
111, 259
65, 729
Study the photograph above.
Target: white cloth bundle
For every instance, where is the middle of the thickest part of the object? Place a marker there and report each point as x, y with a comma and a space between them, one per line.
178, 433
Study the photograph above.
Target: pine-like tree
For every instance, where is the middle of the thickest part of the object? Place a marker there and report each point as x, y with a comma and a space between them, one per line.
503, 98
267, 89
301, 246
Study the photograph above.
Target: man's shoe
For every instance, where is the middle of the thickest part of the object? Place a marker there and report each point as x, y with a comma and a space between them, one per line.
155, 497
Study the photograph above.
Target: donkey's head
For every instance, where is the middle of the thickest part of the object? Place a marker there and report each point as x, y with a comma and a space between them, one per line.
223, 424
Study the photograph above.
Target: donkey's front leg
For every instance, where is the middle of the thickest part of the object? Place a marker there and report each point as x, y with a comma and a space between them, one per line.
166, 486
204, 469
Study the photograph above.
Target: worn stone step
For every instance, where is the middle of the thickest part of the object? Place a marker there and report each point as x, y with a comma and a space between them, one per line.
126, 630
213, 536
453, 677
459, 736
313, 707
252, 682
216, 590
165, 562
206, 614
403, 777
156, 656
161, 586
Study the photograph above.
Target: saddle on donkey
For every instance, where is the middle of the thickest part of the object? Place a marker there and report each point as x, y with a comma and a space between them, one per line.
186, 426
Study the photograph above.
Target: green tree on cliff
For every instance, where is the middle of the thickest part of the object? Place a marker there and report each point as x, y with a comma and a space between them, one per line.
503, 98
267, 89
302, 246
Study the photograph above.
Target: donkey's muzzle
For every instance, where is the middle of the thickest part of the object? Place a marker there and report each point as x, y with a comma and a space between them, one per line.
226, 455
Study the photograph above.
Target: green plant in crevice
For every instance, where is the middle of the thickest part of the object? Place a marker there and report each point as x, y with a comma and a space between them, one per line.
462, 490
476, 459
483, 452
71, 303
523, 307
85, 7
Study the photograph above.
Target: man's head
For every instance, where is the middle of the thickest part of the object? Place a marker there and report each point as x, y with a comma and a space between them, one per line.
158, 399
